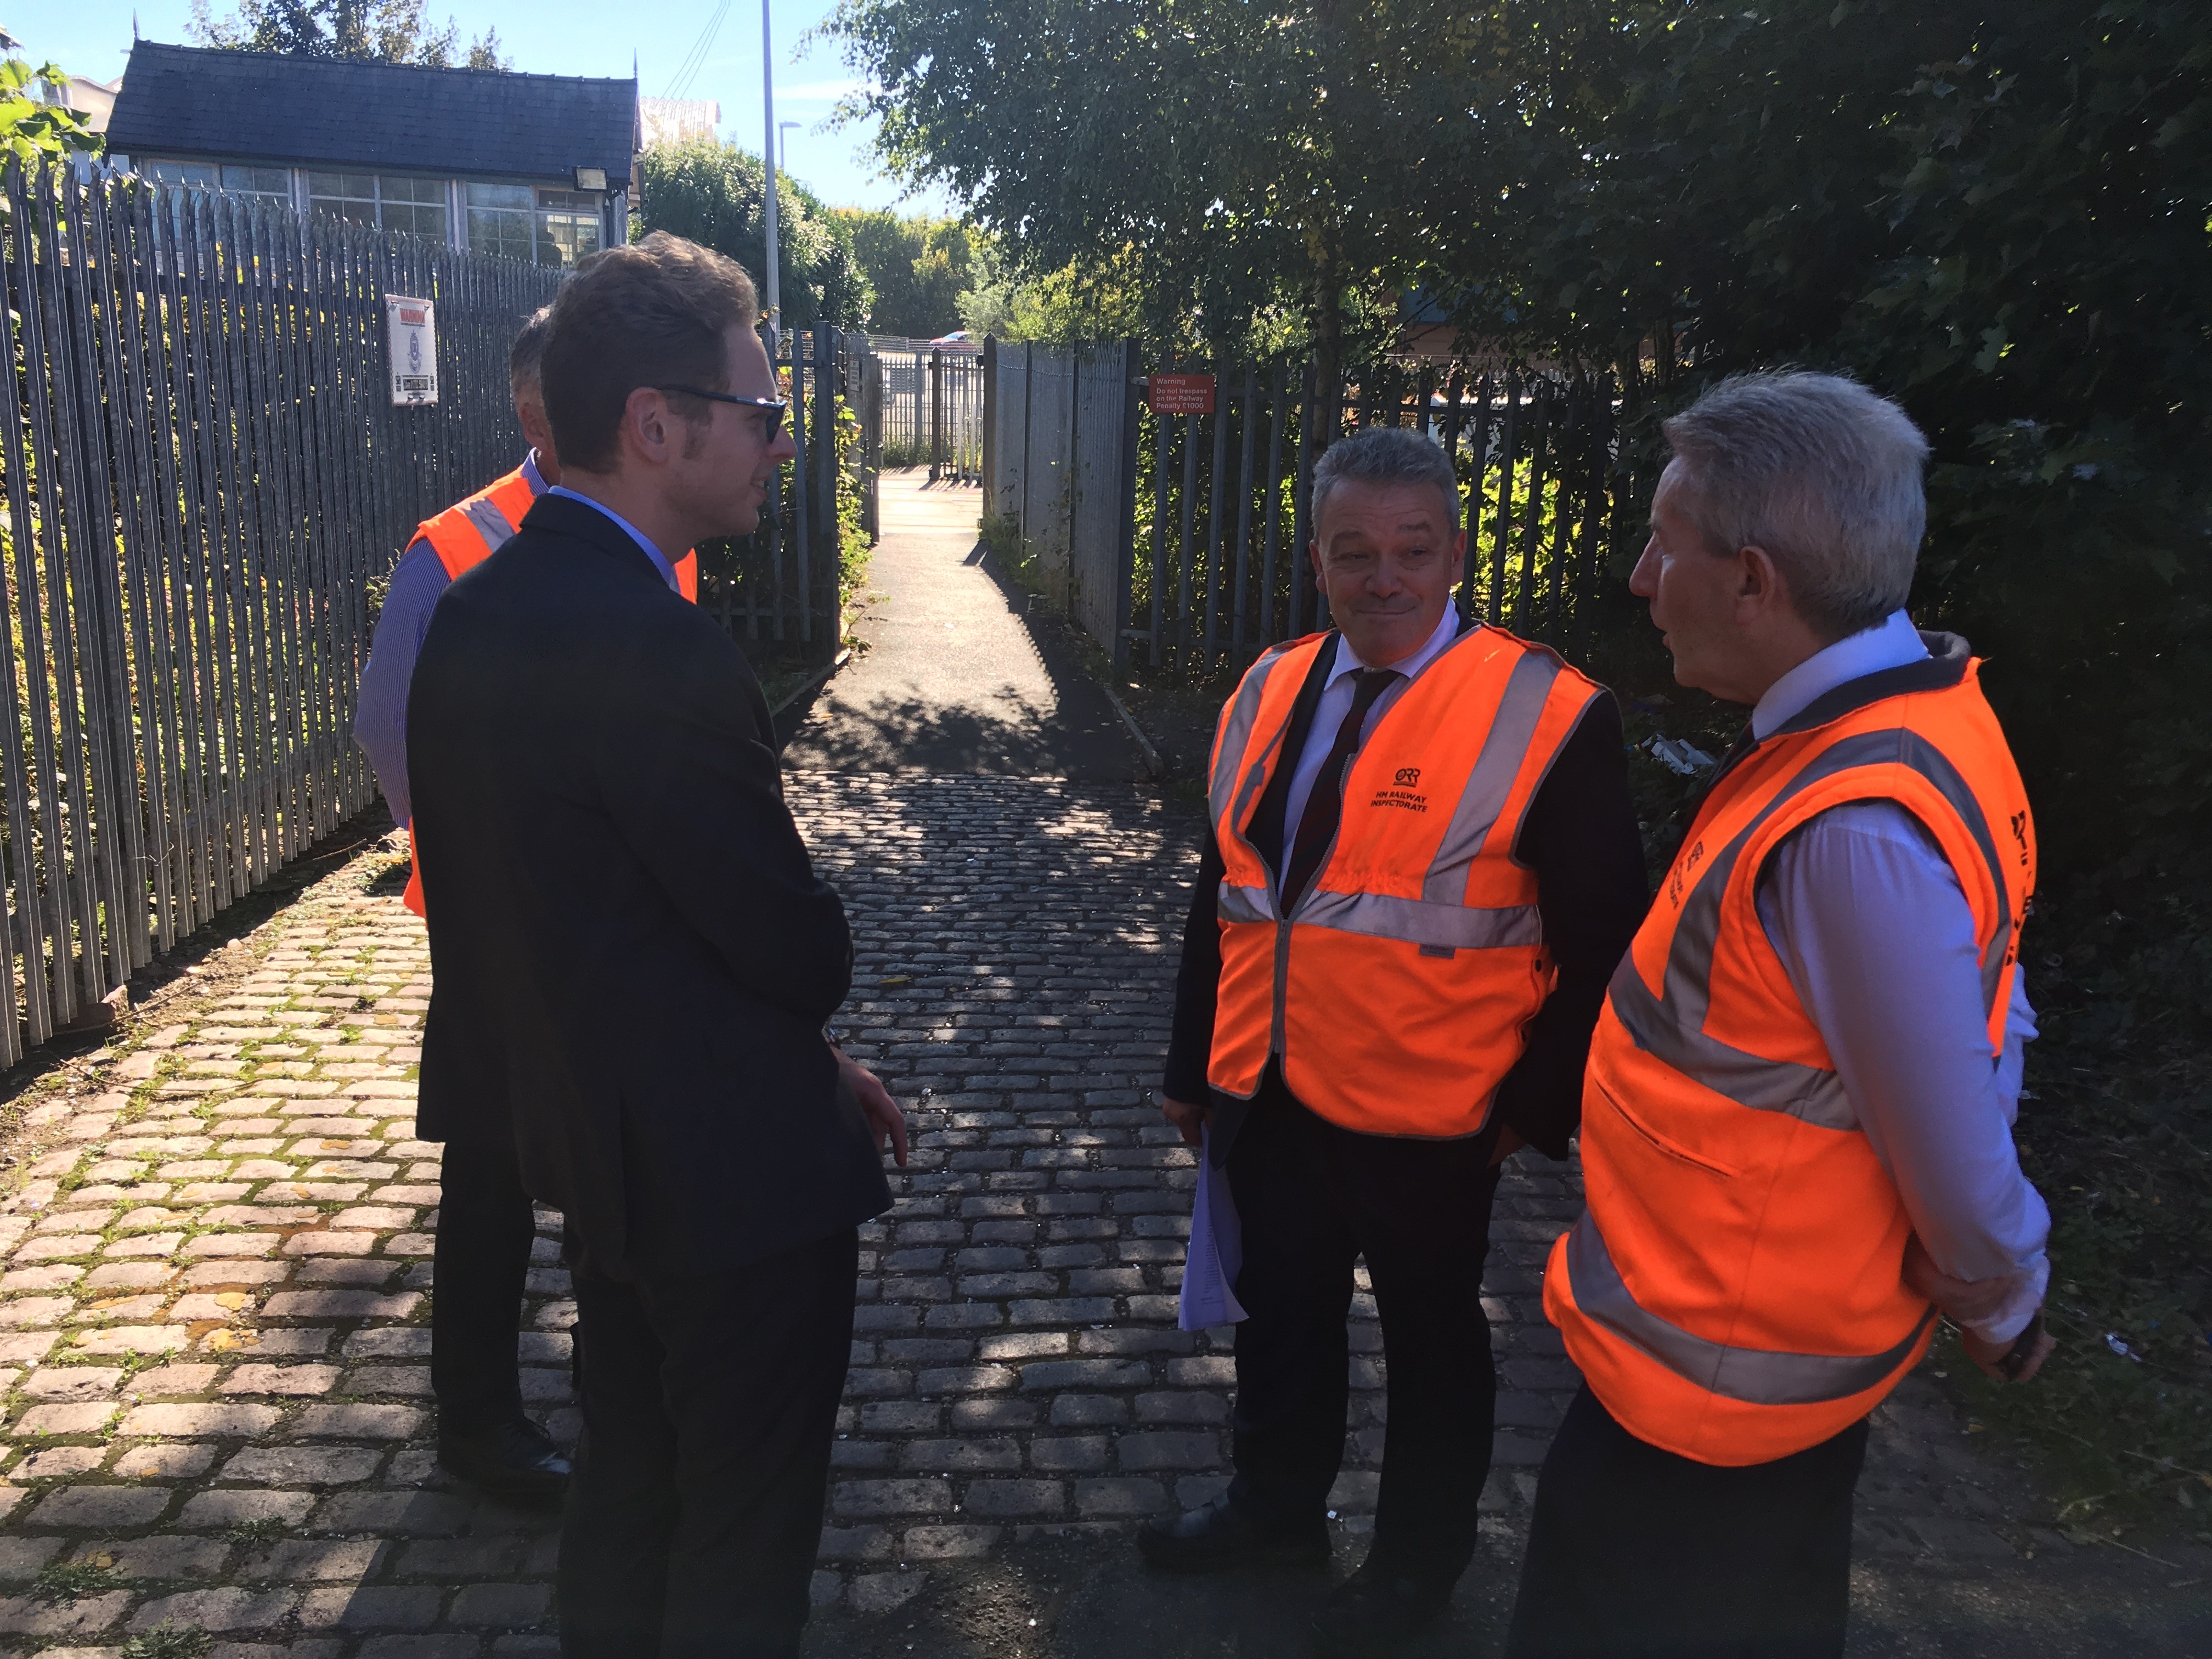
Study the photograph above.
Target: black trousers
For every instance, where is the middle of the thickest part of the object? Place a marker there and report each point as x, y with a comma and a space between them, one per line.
1639, 1553
1312, 1198
485, 1227
710, 1403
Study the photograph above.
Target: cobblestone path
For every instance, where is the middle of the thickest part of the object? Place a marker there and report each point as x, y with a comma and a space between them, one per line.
213, 1303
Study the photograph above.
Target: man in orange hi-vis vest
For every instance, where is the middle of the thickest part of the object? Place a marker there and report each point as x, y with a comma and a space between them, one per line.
1796, 1130
485, 1222
1420, 868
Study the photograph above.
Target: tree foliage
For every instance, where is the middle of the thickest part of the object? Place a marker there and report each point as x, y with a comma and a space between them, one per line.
716, 195
376, 30
2000, 215
916, 267
33, 127
1242, 161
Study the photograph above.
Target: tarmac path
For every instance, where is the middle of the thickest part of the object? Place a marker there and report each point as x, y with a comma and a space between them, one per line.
950, 679
216, 1239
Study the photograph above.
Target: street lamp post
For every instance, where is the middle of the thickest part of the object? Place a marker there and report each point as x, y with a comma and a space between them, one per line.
767, 160
784, 143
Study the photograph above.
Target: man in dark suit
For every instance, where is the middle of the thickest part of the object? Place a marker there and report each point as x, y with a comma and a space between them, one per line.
632, 964
1421, 868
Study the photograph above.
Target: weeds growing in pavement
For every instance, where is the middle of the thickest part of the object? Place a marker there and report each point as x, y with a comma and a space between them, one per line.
66, 1581
166, 1640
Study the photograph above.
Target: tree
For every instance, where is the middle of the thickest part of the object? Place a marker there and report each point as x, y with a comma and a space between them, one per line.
1080, 302
1236, 164
715, 194
916, 265
376, 30
1995, 214
32, 128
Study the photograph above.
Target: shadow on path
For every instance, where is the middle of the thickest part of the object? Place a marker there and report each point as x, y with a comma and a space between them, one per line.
953, 678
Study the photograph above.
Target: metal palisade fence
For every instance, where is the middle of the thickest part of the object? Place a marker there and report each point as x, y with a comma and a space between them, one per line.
1169, 513
781, 590
202, 472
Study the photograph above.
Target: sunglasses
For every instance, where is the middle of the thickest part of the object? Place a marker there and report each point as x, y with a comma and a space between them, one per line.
772, 408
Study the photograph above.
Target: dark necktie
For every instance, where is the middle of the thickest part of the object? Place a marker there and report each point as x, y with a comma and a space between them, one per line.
1325, 806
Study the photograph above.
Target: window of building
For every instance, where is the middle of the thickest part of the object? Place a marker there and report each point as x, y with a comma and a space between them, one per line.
348, 196
543, 227
412, 207
270, 185
263, 183
500, 221
415, 207
195, 174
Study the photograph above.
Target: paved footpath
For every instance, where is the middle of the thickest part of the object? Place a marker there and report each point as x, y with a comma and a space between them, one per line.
950, 679
215, 1280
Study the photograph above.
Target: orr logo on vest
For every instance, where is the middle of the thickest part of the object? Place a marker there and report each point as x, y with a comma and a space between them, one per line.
1400, 792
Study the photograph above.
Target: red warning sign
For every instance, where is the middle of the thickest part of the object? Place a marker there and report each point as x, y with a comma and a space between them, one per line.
1180, 394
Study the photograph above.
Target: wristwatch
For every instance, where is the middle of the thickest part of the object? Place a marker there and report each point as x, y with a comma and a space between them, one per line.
2016, 1357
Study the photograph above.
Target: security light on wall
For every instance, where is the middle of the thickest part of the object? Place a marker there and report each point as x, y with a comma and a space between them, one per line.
591, 177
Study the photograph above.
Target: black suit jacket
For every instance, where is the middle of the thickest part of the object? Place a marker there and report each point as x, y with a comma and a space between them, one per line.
631, 957
1581, 838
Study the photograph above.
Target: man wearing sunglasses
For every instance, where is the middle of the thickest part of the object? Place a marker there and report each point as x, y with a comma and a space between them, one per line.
485, 1225
633, 962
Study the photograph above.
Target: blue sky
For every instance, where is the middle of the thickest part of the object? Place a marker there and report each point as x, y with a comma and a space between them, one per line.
568, 37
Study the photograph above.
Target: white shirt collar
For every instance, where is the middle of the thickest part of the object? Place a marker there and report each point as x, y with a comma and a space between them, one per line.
1447, 630
532, 476
1890, 643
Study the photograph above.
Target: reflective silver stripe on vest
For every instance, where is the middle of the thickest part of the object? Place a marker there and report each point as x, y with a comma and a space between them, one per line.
1450, 926
1671, 1025
1756, 1376
1503, 750
491, 524
1235, 903
1225, 799
1385, 915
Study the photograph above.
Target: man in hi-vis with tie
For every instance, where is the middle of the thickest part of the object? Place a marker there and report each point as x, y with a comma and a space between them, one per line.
1420, 868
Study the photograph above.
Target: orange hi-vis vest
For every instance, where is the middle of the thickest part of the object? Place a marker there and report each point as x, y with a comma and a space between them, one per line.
1395, 994
470, 532
1734, 1292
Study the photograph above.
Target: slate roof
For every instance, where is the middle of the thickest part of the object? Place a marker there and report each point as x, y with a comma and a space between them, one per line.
458, 123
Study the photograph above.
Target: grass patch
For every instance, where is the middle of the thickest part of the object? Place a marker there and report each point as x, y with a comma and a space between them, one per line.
2118, 1137
1001, 533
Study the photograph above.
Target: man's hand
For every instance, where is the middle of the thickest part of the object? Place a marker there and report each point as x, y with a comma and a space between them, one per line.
1964, 1300
1975, 1300
1991, 1356
884, 1115
1189, 1120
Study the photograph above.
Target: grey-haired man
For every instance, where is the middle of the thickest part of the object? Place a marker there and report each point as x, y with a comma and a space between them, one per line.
1422, 865
1798, 1132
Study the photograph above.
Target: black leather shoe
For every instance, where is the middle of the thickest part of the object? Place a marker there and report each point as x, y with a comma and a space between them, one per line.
513, 1459
1220, 1535
1377, 1610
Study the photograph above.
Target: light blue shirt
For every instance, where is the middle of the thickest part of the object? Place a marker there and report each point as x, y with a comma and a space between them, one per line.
1870, 923
1336, 702
660, 560
379, 721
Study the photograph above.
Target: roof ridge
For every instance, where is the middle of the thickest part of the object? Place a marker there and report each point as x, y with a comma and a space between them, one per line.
377, 64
